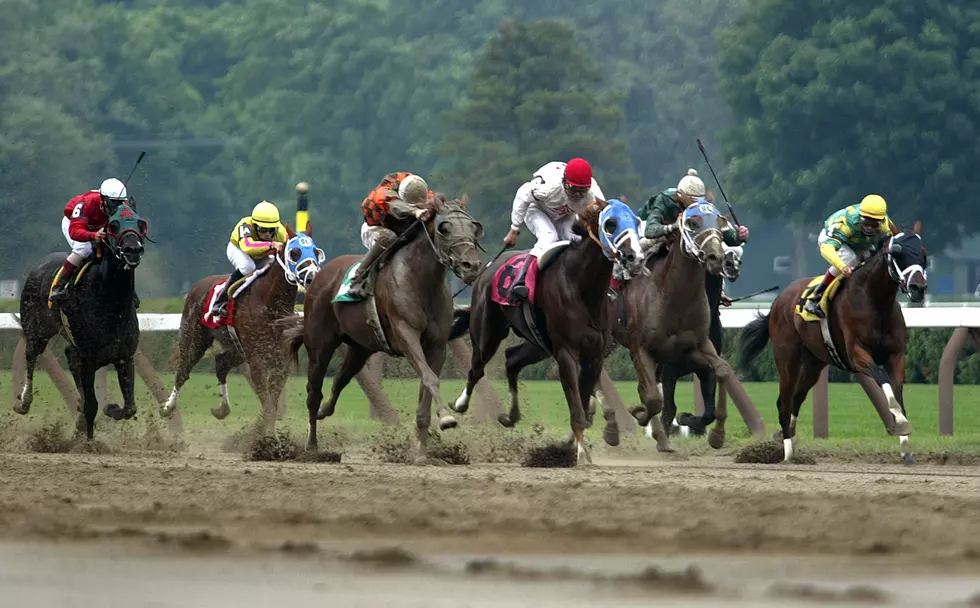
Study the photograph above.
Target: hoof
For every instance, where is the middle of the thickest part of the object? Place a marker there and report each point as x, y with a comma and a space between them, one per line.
505, 421
324, 411
129, 413
447, 422
80, 424
610, 435
665, 448
312, 447
113, 411
908, 459
716, 439
640, 414
167, 411
221, 413
462, 403
21, 408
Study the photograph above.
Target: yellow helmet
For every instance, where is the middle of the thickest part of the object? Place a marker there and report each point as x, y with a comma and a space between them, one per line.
266, 215
873, 206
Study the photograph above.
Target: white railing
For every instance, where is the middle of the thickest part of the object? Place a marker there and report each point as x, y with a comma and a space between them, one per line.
731, 318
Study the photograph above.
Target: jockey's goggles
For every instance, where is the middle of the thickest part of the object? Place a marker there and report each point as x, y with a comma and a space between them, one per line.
575, 191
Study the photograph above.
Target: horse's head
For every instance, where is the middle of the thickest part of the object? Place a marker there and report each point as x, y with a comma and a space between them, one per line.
125, 232
300, 258
907, 262
619, 235
456, 237
700, 227
733, 263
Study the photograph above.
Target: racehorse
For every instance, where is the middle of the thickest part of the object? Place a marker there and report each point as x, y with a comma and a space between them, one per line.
865, 327
247, 334
666, 315
409, 314
568, 315
98, 319
669, 372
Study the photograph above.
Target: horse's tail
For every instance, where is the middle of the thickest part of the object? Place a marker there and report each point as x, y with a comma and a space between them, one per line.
755, 336
461, 322
292, 333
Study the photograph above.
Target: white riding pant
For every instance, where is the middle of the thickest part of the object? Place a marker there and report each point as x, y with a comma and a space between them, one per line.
240, 260
80, 250
847, 255
548, 231
368, 234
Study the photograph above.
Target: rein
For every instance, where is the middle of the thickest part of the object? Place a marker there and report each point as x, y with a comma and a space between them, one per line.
612, 255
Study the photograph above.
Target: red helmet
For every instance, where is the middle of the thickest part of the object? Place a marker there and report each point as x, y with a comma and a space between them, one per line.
578, 173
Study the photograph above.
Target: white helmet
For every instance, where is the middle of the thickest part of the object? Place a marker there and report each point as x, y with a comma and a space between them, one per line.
113, 189
413, 190
691, 184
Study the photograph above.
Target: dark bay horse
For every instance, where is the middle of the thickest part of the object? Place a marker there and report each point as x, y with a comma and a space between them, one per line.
571, 297
413, 306
669, 373
99, 319
253, 338
667, 315
867, 328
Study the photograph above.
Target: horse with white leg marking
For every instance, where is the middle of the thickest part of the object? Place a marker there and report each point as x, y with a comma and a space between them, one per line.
565, 315
247, 333
408, 310
861, 330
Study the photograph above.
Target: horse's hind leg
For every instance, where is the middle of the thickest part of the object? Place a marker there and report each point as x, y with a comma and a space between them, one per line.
224, 362
485, 338
90, 403
570, 373
653, 401
194, 341
354, 359
320, 355
518, 357
789, 364
34, 347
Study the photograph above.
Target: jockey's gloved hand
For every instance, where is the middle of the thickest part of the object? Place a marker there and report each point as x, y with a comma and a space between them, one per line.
423, 214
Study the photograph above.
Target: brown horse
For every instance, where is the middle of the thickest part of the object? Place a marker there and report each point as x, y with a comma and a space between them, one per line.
571, 302
867, 330
413, 306
252, 339
668, 315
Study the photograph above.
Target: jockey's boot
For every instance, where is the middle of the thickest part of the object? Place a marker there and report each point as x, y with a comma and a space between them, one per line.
519, 290
813, 301
221, 304
59, 293
357, 287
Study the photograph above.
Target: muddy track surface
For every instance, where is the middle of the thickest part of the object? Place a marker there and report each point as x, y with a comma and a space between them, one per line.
921, 520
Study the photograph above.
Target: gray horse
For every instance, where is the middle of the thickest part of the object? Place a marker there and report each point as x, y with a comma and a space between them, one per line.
412, 307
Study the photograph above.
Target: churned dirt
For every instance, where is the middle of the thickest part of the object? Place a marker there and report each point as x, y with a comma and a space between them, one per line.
365, 518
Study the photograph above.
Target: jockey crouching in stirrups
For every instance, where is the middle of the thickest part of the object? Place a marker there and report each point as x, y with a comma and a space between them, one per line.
253, 237
549, 204
390, 209
849, 238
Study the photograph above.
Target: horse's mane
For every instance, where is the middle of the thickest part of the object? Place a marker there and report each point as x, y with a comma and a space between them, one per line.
588, 217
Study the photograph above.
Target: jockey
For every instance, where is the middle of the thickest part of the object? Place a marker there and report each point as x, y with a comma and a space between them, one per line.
253, 237
390, 209
548, 204
84, 223
848, 238
661, 210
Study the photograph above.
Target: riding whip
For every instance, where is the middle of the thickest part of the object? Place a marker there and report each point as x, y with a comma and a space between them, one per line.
494, 259
756, 293
720, 189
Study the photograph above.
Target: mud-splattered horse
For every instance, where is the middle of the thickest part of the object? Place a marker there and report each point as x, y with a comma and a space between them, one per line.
252, 313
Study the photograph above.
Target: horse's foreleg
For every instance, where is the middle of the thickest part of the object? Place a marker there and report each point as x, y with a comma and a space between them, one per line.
518, 357
435, 356
354, 359
486, 334
193, 343
650, 396
896, 403
410, 341
569, 372
90, 402
125, 373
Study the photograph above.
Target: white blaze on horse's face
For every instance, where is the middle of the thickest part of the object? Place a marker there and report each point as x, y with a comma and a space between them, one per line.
906, 264
619, 234
701, 226
733, 262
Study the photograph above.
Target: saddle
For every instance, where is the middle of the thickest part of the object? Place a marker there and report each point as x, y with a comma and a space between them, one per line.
825, 330
373, 319
527, 319
209, 316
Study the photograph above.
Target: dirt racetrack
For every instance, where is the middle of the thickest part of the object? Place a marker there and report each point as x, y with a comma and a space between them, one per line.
208, 529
